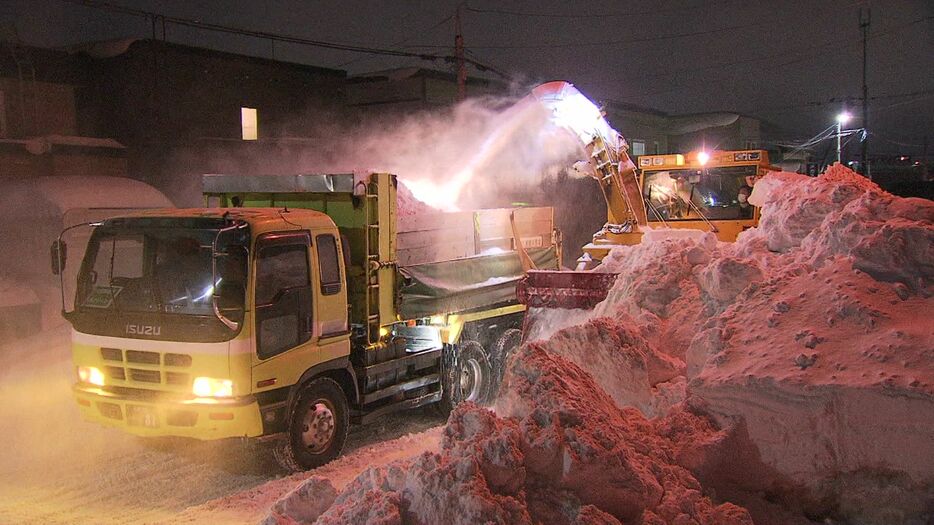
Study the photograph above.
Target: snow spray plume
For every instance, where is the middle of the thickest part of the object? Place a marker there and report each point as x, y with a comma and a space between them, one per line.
471, 155
468, 156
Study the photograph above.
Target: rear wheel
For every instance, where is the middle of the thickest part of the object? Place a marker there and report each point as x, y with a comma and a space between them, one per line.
467, 376
502, 349
318, 425
475, 374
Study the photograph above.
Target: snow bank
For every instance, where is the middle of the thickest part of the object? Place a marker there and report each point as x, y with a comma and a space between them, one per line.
809, 331
619, 358
560, 452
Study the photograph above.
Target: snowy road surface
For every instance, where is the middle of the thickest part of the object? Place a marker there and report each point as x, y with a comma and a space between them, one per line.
57, 469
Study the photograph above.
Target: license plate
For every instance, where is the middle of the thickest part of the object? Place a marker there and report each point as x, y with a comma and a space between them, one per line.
141, 416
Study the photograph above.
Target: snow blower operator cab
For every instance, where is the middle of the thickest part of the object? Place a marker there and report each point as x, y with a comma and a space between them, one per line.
703, 190
293, 307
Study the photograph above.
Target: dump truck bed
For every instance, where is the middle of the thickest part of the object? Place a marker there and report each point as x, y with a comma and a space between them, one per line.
406, 266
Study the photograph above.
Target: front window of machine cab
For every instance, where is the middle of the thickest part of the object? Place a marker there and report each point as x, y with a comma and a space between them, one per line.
691, 194
179, 279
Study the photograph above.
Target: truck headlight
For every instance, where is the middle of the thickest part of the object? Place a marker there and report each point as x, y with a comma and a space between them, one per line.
211, 387
90, 374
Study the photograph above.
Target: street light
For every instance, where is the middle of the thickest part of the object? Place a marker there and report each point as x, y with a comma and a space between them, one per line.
842, 119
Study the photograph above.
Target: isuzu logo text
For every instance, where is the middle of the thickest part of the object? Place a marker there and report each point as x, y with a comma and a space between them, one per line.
143, 329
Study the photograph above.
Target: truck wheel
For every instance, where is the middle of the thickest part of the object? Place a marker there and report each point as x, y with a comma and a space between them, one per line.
468, 380
502, 349
318, 425
474, 373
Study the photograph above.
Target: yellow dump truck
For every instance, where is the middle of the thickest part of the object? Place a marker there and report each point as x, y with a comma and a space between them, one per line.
292, 307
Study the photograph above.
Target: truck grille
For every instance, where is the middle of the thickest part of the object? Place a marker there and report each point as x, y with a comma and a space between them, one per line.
112, 354
110, 410
145, 358
145, 376
146, 369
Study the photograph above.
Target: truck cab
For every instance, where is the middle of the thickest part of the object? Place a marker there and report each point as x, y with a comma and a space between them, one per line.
159, 351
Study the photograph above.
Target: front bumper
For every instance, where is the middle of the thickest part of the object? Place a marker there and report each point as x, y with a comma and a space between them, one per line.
204, 419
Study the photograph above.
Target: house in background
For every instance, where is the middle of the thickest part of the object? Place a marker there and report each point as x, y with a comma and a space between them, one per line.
184, 111
41, 132
411, 89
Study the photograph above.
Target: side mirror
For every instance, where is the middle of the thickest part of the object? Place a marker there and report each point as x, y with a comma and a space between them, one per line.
227, 303
59, 254
229, 295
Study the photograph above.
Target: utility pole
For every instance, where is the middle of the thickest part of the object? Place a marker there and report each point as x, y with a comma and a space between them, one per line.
459, 55
864, 19
842, 119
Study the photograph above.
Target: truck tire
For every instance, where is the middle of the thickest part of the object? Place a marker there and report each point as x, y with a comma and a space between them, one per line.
502, 349
318, 425
469, 379
475, 374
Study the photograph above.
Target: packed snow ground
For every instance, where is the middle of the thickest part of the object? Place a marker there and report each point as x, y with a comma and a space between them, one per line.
56, 469
786, 377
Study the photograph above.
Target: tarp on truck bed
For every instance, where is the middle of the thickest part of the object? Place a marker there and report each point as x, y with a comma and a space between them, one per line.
465, 284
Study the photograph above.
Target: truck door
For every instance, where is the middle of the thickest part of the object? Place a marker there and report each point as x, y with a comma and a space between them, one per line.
331, 319
283, 299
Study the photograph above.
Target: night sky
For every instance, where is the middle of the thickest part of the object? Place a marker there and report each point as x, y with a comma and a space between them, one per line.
789, 62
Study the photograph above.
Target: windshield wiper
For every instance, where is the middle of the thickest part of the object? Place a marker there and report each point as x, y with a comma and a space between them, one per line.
110, 276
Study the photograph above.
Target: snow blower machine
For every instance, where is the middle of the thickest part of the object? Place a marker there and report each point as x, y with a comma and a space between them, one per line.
670, 196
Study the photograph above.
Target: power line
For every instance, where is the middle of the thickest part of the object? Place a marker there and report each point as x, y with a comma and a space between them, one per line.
925, 93
626, 14
398, 44
606, 15
824, 47
609, 42
820, 50
263, 35
897, 143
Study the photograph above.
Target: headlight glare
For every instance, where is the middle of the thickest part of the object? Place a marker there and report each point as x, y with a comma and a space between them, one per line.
211, 387
90, 374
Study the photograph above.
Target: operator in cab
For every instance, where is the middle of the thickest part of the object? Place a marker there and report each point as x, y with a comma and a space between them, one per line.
742, 197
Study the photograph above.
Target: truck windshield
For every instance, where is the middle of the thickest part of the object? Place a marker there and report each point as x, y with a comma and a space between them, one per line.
717, 193
160, 266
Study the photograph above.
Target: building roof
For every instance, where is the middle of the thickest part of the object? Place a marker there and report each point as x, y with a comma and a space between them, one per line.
114, 48
403, 73
54, 196
625, 106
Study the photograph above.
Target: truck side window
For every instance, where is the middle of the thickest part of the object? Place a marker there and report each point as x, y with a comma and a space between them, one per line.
282, 294
329, 264
280, 268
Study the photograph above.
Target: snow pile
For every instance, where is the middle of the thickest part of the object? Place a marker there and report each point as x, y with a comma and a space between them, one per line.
827, 357
809, 331
408, 204
560, 452
619, 358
